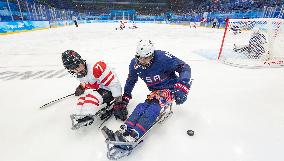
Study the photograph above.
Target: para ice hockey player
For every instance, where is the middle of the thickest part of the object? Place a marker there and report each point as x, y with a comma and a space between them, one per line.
121, 25
98, 85
75, 20
134, 26
256, 47
158, 70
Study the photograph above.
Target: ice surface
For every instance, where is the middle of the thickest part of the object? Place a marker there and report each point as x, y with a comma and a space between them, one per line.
237, 114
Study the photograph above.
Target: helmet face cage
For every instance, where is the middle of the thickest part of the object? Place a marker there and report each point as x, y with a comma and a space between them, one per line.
71, 60
137, 56
73, 66
144, 66
83, 73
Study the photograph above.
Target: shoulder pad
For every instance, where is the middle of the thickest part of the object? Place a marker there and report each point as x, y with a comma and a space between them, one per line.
99, 69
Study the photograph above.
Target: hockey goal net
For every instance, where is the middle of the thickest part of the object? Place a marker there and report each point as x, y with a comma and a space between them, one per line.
253, 43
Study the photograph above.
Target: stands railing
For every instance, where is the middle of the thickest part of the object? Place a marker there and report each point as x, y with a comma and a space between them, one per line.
28, 11
14, 10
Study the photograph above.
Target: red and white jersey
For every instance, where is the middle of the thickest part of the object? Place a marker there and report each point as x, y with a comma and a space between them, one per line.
100, 75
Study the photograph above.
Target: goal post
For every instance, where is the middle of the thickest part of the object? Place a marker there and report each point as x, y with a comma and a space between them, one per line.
253, 43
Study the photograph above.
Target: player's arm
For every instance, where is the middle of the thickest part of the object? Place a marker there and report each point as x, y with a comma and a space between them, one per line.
182, 86
119, 108
177, 65
131, 79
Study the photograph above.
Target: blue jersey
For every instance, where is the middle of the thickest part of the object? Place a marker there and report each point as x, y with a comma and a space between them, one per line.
161, 74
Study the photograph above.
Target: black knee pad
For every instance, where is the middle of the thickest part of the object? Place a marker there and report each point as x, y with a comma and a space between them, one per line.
106, 95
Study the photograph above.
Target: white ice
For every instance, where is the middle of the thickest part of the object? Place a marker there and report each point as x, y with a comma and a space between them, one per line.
237, 114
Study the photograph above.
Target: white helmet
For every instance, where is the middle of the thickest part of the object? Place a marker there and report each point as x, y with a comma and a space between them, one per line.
145, 48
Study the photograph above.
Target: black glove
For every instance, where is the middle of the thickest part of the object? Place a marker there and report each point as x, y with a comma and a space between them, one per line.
79, 90
119, 108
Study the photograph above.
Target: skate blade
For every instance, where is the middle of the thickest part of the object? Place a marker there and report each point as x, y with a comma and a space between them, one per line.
118, 150
82, 124
116, 153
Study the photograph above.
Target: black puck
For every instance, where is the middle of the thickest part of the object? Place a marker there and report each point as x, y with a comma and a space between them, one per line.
190, 132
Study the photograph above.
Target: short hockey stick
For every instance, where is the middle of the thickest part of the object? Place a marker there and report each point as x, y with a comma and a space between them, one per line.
54, 101
108, 117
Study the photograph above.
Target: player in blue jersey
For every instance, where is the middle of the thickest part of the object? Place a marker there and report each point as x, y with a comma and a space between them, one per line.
158, 70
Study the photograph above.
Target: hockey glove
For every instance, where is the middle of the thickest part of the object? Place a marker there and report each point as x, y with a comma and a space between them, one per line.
180, 92
79, 90
119, 108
